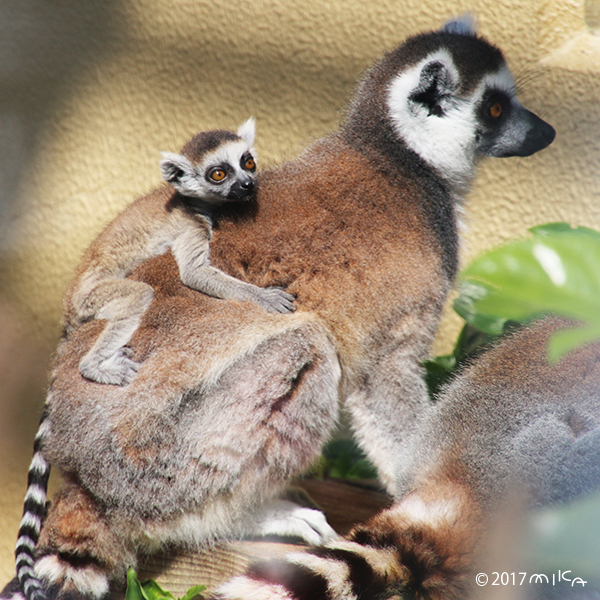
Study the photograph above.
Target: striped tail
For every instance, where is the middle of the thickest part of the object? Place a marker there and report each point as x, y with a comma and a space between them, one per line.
422, 547
34, 511
341, 570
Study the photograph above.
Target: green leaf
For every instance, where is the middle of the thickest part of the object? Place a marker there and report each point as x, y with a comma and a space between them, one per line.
193, 592
344, 459
439, 369
155, 592
134, 587
560, 228
471, 340
437, 372
557, 270
468, 306
150, 590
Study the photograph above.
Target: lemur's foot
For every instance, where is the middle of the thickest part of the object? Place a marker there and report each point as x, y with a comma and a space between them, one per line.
117, 369
283, 518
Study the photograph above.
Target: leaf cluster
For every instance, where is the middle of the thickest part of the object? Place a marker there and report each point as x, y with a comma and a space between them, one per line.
150, 590
554, 271
343, 459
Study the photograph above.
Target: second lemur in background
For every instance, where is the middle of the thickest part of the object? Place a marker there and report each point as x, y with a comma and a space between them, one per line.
214, 167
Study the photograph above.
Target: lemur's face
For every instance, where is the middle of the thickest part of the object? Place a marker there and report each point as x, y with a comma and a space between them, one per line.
457, 103
225, 172
507, 128
228, 173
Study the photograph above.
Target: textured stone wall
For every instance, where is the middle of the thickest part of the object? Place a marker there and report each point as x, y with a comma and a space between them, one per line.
90, 92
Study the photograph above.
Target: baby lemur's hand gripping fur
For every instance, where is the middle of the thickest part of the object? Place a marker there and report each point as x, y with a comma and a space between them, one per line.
230, 401
511, 426
215, 167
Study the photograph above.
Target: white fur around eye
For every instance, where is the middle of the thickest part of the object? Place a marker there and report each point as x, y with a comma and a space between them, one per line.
230, 153
502, 81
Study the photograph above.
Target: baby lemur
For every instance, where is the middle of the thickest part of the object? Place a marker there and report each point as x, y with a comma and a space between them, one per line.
214, 167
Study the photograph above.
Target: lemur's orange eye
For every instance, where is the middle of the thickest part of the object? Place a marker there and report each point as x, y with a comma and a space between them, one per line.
250, 165
496, 110
217, 175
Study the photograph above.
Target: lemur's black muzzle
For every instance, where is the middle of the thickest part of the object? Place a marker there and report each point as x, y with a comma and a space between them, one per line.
242, 189
538, 136
523, 134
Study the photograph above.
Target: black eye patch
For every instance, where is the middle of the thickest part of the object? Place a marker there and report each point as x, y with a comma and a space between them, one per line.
218, 173
495, 108
247, 162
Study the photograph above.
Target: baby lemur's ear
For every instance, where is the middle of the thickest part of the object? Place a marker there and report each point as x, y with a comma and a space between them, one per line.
174, 167
247, 131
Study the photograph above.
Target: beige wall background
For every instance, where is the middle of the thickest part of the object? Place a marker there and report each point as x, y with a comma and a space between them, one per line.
90, 92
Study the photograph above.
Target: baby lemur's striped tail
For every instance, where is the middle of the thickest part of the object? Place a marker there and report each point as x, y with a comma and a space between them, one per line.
34, 511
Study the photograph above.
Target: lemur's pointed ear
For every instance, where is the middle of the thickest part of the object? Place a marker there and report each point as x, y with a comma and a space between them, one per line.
435, 83
174, 167
462, 25
247, 131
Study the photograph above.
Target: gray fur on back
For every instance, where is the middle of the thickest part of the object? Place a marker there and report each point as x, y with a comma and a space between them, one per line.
513, 419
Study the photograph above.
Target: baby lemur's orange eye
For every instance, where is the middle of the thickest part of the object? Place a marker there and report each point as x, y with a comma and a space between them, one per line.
496, 110
250, 165
217, 175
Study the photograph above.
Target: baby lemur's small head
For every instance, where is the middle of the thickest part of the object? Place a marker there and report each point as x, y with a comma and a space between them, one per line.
214, 166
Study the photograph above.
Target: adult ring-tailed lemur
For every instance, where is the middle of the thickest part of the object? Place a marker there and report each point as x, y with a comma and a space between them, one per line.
229, 401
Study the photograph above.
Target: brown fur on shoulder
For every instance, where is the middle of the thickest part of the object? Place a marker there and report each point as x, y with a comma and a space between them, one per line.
340, 236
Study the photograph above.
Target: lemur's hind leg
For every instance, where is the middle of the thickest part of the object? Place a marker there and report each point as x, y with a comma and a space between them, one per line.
122, 303
80, 552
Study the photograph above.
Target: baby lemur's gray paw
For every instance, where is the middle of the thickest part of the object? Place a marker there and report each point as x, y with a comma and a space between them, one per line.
117, 369
276, 300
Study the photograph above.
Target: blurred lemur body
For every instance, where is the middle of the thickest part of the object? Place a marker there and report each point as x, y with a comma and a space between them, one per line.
511, 432
215, 168
229, 401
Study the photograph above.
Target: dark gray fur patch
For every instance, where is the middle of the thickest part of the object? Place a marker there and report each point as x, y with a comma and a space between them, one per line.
207, 141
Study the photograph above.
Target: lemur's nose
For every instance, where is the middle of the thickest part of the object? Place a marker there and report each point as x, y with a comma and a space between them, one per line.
247, 185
